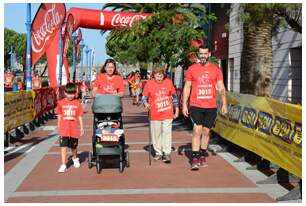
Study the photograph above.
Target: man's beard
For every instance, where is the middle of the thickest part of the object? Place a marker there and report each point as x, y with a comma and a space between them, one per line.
203, 61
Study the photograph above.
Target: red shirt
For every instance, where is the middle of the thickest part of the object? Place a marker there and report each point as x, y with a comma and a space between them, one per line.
108, 86
36, 83
69, 110
8, 80
204, 80
160, 99
136, 82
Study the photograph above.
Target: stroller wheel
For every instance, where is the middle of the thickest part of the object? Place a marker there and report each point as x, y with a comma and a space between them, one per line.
98, 165
89, 160
121, 166
127, 160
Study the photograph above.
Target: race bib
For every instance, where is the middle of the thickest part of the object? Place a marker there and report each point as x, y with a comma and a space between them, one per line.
163, 104
69, 114
204, 93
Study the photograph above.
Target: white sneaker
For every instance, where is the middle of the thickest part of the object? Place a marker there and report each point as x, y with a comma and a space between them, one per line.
62, 168
76, 163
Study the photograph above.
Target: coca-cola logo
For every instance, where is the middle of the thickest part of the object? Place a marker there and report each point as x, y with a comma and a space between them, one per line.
51, 21
124, 21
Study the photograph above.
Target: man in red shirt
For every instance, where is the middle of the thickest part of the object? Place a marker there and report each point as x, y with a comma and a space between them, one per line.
8, 80
70, 112
201, 81
162, 97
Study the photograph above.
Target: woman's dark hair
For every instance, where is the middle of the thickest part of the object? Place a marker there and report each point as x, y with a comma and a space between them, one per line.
70, 88
107, 62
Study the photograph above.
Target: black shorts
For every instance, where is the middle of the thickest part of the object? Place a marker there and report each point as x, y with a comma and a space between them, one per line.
68, 142
204, 117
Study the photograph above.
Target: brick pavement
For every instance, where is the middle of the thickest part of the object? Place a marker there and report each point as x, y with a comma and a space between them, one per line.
160, 182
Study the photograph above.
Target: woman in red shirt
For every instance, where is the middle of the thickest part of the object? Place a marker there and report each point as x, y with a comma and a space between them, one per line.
108, 81
159, 97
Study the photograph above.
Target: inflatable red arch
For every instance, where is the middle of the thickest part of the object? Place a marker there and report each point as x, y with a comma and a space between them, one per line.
85, 18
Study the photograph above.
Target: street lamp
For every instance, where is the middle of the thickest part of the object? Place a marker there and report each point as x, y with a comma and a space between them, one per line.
74, 37
87, 66
28, 27
90, 64
82, 45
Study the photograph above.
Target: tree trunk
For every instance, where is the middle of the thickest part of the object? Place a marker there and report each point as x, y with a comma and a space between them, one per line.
256, 61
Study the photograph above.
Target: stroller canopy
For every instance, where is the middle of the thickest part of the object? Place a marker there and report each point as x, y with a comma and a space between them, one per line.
107, 103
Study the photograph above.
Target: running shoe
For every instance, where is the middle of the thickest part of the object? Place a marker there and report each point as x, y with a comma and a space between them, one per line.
62, 168
195, 164
76, 163
166, 159
202, 161
158, 157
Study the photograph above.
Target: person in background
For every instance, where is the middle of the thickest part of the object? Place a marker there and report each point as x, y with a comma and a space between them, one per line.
84, 91
108, 81
159, 97
137, 85
20, 84
70, 112
130, 78
36, 81
8, 80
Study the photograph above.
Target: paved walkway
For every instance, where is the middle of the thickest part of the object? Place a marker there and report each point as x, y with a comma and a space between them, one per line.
31, 172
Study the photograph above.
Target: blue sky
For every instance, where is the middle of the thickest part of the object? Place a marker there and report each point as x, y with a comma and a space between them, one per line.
15, 15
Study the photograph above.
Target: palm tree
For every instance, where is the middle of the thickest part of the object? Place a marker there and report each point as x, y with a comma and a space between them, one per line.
261, 21
163, 37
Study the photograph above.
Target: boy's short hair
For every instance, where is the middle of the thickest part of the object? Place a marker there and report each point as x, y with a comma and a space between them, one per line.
70, 88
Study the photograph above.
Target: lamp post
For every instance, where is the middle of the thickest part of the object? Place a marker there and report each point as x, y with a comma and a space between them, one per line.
87, 66
74, 37
82, 45
92, 60
60, 64
28, 27
90, 64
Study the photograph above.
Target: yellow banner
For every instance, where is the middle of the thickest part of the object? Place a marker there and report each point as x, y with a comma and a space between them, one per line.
269, 128
18, 108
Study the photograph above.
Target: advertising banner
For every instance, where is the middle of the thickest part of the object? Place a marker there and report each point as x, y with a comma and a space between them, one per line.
269, 128
44, 101
106, 20
18, 109
45, 25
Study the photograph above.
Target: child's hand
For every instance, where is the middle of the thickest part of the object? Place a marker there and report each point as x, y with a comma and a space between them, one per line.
81, 132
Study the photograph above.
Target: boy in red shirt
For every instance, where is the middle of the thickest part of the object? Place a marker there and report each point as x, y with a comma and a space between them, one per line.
162, 97
70, 112
201, 81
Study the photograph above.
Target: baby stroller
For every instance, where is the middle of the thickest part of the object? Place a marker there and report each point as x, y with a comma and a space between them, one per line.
108, 135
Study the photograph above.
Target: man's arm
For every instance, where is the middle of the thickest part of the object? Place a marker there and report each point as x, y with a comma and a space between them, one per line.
186, 94
221, 90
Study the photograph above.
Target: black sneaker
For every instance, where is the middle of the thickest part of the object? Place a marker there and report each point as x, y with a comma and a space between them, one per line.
166, 159
158, 157
195, 164
205, 154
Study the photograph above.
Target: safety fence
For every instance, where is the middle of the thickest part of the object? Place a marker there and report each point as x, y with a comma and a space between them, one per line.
267, 127
23, 107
